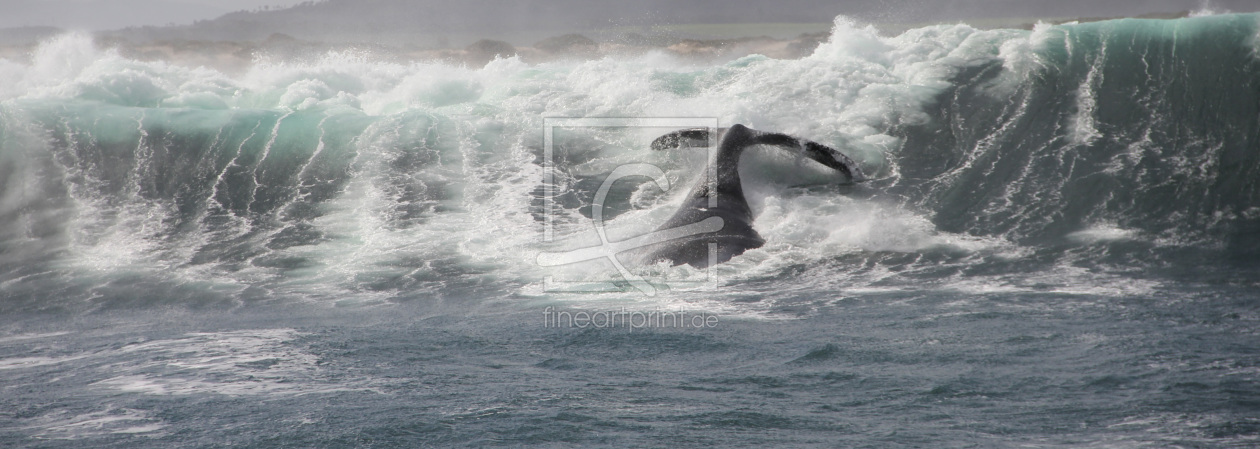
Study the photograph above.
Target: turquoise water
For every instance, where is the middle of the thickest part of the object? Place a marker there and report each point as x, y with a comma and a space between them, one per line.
1059, 248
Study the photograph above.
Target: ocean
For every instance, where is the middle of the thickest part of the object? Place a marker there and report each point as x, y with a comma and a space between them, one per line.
1059, 246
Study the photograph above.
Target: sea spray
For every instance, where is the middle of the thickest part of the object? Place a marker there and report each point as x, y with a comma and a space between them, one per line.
343, 176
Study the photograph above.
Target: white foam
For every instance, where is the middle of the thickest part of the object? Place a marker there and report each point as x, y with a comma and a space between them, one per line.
1254, 41
484, 128
237, 363
63, 426
1102, 233
1021, 56
1064, 280
36, 336
1206, 8
31, 362
1083, 129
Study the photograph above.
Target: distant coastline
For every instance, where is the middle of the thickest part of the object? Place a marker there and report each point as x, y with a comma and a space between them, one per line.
700, 41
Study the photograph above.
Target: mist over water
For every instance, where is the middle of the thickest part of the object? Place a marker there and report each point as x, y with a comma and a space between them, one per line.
1058, 247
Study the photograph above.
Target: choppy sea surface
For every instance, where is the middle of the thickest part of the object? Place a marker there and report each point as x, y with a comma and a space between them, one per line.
1060, 247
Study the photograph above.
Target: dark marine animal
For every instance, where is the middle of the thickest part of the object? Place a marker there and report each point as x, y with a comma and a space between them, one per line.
724, 198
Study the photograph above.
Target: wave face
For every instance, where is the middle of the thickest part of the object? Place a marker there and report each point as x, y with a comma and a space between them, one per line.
1146, 126
1088, 156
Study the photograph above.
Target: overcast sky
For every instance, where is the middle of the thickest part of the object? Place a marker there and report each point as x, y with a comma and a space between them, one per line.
113, 14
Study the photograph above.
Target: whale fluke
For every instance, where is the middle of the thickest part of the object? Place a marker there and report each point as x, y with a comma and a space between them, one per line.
726, 199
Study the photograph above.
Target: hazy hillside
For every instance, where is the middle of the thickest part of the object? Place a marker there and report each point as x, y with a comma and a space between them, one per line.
459, 23
444, 23
102, 14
